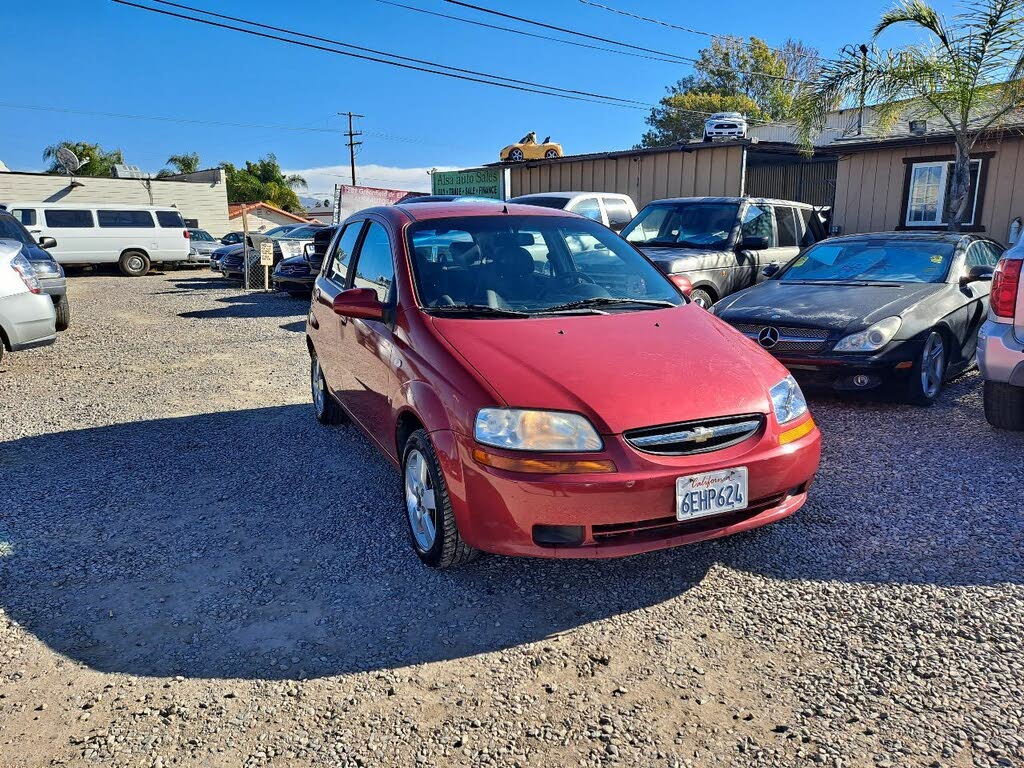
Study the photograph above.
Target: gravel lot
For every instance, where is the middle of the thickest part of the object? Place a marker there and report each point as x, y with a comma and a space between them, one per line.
193, 573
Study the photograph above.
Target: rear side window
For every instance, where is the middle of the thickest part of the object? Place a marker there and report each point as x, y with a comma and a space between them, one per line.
26, 216
618, 212
68, 219
588, 207
789, 228
169, 219
125, 219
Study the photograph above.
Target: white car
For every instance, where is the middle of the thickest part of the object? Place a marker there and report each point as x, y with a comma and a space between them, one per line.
725, 125
613, 210
1001, 343
27, 316
131, 236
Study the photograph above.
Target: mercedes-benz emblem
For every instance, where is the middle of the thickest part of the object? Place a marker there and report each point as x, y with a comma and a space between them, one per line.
768, 337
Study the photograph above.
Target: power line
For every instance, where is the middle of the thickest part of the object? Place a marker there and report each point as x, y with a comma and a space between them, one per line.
527, 34
516, 83
688, 59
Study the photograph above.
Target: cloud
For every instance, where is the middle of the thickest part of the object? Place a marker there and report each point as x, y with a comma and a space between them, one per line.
321, 181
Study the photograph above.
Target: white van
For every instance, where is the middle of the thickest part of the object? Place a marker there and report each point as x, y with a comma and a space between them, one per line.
131, 236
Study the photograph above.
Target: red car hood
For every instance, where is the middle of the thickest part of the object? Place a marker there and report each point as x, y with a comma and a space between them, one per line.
623, 371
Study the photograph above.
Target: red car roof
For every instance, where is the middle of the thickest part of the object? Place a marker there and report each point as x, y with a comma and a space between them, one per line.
425, 211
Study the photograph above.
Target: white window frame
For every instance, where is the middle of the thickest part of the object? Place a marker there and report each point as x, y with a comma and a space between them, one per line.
947, 168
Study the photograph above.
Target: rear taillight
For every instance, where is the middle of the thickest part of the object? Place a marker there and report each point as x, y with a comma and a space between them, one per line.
28, 275
185, 233
1005, 285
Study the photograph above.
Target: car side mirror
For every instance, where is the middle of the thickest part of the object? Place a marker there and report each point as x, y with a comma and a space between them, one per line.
754, 243
307, 252
47, 242
977, 273
361, 303
772, 270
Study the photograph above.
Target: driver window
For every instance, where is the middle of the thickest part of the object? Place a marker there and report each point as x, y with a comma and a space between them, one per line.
341, 254
757, 222
375, 268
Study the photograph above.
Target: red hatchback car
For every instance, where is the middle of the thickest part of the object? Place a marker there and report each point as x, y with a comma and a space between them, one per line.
545, 390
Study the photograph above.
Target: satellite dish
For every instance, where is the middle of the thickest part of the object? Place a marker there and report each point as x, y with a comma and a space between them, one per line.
68, 160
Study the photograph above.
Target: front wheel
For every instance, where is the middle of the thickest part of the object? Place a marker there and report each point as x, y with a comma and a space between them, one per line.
134, 263
929, 372
1004, 405
63, 309
432, 528
516, 156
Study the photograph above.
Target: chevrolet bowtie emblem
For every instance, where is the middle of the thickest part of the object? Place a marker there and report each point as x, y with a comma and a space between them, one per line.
702, 434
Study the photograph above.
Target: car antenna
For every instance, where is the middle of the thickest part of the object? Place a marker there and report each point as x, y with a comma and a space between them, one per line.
504, 208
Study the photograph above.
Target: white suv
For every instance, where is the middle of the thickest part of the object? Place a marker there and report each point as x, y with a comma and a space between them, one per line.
1001, 344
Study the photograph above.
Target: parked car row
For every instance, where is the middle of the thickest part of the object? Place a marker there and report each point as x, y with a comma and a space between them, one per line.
289, 241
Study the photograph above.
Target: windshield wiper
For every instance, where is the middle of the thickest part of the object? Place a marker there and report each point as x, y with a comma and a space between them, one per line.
477, 309
600, 301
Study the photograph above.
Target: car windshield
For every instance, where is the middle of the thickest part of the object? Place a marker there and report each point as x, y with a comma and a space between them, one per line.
300, 233
200, 234
899, 261
281, 231
695, 225
544, 202
10, 229
524, 265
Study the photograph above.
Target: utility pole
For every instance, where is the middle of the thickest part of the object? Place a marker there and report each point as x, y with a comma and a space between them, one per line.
863, 88
352, 143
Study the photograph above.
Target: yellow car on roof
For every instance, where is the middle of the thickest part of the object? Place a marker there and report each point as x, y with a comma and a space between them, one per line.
527, 148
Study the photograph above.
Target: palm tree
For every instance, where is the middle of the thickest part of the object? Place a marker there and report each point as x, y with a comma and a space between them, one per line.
969, 75
184, 163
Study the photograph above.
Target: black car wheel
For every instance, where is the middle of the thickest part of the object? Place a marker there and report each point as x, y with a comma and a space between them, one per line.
326, 408
432, 528
1004, 405
701, 298
929, 372
63, 308
134, 263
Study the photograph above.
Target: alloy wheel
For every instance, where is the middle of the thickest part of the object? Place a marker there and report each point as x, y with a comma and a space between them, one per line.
420, 501
933, 365
317, 381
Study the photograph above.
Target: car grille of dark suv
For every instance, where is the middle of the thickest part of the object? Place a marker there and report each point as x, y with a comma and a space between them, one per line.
694, 436
785, 339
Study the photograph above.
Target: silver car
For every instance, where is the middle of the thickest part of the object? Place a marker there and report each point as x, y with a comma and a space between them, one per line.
27, 316
201, 246
1001, 344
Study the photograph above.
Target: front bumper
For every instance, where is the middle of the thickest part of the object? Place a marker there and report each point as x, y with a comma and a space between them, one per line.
625, 512
29, 320
1000, 354
854, 371
293, 282
54, 286
199, 258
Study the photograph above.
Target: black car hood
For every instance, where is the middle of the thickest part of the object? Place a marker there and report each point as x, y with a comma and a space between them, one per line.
672, 260
832, 307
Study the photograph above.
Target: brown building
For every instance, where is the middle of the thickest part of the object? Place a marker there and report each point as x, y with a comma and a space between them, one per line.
900, 183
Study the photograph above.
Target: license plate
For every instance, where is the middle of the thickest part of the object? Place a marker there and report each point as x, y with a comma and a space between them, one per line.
711, 493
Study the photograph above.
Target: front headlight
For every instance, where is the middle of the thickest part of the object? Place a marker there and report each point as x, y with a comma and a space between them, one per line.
46, 268
788, 400
521, 430
872, 339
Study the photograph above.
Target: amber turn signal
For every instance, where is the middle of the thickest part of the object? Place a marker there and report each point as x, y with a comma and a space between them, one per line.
543, 466
796, 432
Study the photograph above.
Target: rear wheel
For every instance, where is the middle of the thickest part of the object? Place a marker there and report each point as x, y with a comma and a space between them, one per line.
701, 298
134, 263
432, 528
1004, 405
929, 372
326, 408
551, 153
63, 308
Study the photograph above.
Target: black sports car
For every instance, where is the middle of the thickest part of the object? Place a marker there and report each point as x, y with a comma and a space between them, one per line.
895, 309
297, 274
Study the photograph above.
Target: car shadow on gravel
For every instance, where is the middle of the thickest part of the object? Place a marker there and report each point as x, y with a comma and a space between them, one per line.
256, 304
257, 544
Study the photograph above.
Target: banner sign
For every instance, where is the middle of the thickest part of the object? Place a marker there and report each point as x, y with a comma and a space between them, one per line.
354, 199
473, 182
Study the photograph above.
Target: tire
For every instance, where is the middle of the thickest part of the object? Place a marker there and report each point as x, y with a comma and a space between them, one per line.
1004, 406
422, 482
63, 308
701, 298
551, 154
327, 410
134, 263
516, 155
928, 375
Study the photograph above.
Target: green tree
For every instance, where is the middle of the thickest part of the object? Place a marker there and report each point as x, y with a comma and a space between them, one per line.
731, 75
96, 161
184, 163
968, 74
263, 181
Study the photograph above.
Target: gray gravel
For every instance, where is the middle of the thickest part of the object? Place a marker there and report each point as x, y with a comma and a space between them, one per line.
193, 572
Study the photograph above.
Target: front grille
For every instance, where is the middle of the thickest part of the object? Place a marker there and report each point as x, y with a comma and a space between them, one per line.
694, 436
725, 126
789, 339
667, 527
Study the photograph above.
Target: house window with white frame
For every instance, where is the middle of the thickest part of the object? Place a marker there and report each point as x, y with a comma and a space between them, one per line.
929, 191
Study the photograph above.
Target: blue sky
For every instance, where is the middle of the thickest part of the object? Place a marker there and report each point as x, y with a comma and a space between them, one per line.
104, 57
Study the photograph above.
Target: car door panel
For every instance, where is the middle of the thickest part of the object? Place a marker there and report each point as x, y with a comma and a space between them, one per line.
326, 328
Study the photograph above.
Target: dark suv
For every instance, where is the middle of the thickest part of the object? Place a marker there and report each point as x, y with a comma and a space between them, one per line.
49, 273
723, 244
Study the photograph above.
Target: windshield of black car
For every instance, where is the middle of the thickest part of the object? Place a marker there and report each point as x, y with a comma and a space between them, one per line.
702, 225
10, 229
530, 264
870, 260
299, 233
281, 231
